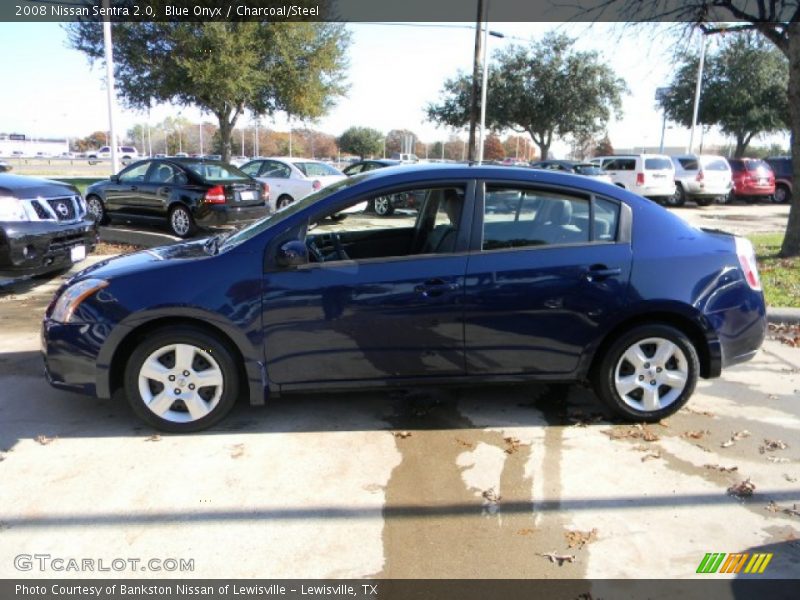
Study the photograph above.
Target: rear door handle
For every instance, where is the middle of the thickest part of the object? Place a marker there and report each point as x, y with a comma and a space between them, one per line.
435, 287
600, 272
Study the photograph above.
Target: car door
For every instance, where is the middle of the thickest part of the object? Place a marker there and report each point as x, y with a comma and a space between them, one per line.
391, 311
123, 195
276, 175
159, 186
543, 279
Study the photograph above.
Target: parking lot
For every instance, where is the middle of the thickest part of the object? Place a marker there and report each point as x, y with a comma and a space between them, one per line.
527, 481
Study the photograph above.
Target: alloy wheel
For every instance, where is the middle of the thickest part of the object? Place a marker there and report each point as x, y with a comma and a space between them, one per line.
180, 383
95, 207
181, 221
383, 206
651, 374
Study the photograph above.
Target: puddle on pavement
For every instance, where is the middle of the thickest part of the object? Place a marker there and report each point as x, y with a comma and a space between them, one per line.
436, 526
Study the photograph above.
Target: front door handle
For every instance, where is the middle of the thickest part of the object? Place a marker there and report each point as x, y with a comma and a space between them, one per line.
600, 272
435, 287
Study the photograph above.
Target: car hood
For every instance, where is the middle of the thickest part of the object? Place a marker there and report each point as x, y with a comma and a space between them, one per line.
152, 258
21, 186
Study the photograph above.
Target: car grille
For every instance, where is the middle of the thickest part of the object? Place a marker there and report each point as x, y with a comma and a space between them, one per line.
41, 211
64, 208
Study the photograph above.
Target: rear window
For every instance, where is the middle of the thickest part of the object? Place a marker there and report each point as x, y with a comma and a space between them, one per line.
588, 170
128, 149
215, 172
658, 164
755, 165
621, 164
716, 164
316, 169
688, 164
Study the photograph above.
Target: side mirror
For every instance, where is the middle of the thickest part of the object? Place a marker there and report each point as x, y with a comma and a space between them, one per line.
292, 254
114, 179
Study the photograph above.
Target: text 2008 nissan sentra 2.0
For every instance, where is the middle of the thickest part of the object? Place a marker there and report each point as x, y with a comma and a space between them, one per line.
504, 274
43, 226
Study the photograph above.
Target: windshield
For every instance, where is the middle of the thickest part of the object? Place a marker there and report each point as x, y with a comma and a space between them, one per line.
214, 171
254, 229
316, 169
588, 169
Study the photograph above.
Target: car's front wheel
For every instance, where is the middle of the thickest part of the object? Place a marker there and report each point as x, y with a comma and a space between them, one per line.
648, 373
678, 198
181, 379
181, 222
782, 194
96, 209
383, 206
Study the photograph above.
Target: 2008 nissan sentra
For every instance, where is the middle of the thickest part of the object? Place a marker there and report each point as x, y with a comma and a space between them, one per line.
504, 274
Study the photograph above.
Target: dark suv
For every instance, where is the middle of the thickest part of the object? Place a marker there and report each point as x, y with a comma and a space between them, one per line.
782, 167
43, 226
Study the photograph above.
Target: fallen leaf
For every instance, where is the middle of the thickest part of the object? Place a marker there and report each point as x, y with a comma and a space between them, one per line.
44, 440
491, 496
777, 459
772, 507
735, 437
402, 434
639, 432
704, 413
580, 538
703, 448
743, 489
789, 478
558, 558
651, 456
237, 451
153, 438
721, 469
695, 435
772, 445
526, 531
664, 423
512, 445
461, 442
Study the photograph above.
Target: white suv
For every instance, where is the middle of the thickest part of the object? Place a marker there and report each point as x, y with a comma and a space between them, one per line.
702, 178
649, 175
125, 154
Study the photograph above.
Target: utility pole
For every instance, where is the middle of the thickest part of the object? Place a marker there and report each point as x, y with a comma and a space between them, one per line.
473, 106
697, 87
109, 53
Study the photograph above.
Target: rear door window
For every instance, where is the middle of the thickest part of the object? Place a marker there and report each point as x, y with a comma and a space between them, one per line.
659, 164
621, 164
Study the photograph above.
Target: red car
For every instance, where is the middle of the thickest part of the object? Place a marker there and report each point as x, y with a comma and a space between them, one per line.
753, 179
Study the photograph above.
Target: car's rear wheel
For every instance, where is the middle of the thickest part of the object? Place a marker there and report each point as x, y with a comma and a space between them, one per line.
678, 198
782, 194
383, 206
181, 379
181, 222
96, 208
648, 373
284, 201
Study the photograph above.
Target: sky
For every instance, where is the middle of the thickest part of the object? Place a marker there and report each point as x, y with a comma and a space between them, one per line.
395, 70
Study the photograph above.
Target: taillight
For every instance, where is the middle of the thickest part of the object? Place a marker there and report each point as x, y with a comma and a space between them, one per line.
700, 176
747, 260
640, 179
316, 185
215, 195
265, 187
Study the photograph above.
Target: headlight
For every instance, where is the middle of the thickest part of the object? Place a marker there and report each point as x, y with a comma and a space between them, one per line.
13, 209
70, 298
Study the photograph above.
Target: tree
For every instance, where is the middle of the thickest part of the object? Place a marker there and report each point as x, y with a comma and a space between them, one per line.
361, 141
547, 90
224, 67
743, 89
603, 147
93, 141
777, 20
493, 148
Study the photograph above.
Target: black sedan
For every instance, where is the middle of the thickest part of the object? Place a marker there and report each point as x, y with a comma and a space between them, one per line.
43, 226
385, 205
186, 193
4, 166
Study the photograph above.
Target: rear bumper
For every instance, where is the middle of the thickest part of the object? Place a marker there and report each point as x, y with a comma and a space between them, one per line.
34, 248
741, 326
223, 214
754, 190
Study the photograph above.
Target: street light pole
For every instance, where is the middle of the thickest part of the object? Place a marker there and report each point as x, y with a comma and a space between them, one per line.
697, 87
473, 106
109, 55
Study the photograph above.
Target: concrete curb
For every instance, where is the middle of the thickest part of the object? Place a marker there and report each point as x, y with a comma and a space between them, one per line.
146, 239
778, 314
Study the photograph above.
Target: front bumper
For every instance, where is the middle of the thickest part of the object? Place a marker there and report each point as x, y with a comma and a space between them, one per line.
69, 352
224, 214
33, 248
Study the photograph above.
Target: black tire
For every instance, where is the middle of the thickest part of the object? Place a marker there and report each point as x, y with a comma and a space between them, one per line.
782, 194
181, 222
97, 209
728, 198
678, 198
603, 376
383, 206
283, 201
206, 343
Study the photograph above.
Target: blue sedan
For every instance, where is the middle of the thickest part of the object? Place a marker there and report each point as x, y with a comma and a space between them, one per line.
504, 275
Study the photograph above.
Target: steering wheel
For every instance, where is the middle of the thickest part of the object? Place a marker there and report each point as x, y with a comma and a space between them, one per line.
314, 251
